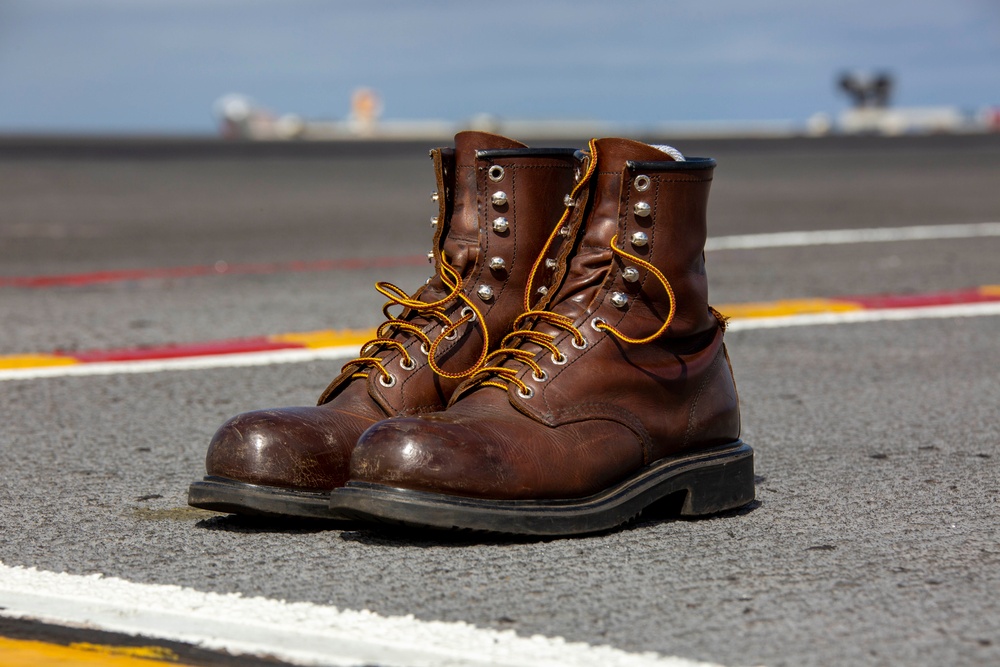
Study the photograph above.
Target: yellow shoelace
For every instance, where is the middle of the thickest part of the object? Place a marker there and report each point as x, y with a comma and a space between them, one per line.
433, 310
500, 376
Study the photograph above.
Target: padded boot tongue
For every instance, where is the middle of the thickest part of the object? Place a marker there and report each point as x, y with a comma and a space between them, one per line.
590, 264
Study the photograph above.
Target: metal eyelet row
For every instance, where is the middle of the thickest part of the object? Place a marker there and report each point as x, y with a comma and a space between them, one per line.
642, 209
629, 274
500, 225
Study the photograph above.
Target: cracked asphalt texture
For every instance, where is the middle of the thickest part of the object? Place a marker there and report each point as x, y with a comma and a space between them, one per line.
875, 538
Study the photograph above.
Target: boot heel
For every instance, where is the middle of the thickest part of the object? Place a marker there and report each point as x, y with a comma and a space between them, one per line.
724, 486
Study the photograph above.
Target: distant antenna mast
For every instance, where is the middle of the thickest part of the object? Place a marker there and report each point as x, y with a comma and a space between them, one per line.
867, 91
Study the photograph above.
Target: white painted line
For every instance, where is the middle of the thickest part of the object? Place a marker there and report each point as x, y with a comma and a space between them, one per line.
854, 316
347, 352
297, 632
844, 236
296, 355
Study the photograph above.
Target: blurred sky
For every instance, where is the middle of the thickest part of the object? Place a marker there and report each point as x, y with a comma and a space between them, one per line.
158, 65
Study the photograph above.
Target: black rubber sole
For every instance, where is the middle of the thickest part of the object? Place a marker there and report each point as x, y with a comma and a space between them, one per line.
220, 494
712, 481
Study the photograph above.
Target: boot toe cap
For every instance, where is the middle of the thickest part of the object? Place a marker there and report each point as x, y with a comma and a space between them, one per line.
422, 453
301, 448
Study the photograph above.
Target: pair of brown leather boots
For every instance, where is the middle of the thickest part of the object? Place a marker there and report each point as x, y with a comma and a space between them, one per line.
560, 372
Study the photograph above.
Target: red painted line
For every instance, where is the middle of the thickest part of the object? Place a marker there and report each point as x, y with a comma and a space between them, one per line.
217, 269
887, 301
310, 339
187, 350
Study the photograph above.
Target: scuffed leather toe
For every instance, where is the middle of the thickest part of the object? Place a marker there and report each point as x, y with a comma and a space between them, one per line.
423, 453
306, 448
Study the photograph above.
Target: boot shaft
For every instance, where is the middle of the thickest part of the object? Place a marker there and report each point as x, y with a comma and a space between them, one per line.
498, 209
498, 202
653, 207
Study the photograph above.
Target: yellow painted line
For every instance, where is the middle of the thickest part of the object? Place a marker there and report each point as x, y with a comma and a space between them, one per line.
785, 307
325, 338
34, 361
30, 653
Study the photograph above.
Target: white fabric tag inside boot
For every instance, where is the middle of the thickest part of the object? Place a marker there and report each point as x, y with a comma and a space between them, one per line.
670, 150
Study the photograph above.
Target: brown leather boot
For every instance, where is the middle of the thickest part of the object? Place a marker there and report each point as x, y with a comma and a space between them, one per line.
615, 392
500, 205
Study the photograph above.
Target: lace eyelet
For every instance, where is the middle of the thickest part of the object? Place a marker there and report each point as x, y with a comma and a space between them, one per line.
426, 351
468, 311
581, 346
541, 377
410, 367
560, 360
594, 324
527, 394
390, 383
453, 335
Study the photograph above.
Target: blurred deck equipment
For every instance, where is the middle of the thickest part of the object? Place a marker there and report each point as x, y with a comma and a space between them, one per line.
871, 112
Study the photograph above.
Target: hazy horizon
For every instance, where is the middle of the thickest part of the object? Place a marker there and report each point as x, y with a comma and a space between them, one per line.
157, 66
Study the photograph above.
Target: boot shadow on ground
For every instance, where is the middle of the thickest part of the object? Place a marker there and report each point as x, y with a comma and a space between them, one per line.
240, 523
666, 510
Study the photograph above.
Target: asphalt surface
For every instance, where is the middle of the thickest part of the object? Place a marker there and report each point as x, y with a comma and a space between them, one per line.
876, 535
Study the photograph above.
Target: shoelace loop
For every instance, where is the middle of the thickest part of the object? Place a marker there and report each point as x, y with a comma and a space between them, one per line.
434, 310
496, 375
